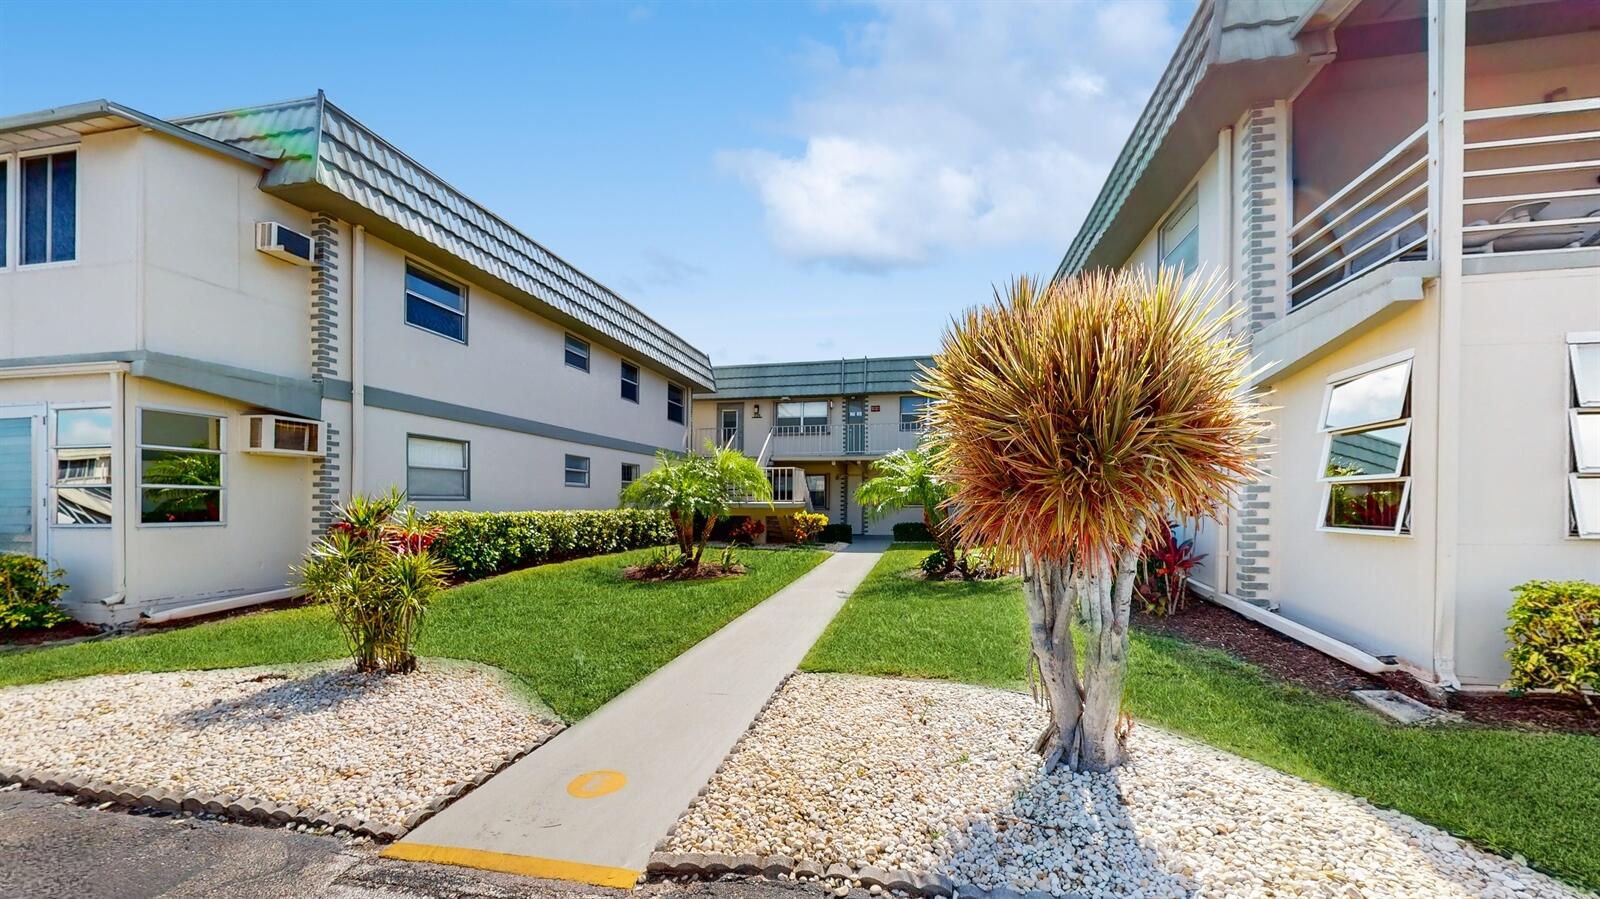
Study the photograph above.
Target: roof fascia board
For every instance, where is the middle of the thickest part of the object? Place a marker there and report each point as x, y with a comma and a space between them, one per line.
93, 109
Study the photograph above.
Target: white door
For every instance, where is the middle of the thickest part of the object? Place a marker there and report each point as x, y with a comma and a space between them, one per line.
21, 491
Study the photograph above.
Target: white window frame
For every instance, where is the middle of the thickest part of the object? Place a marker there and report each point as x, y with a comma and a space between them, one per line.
406, 295
139, 446
567, 469
14, 200
567, 340
920, 421
1588, 338
638, 471
12, 203
1338, 379
637, 382
1191, 198
466, 469
808, 427
683, 404
54, 444
1583, 406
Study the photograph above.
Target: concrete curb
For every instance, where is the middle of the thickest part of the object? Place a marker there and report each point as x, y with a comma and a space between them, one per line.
245, 808
712, 865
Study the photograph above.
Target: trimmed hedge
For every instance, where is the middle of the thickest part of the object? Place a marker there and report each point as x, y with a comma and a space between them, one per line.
479, 544
836, 533
912, 532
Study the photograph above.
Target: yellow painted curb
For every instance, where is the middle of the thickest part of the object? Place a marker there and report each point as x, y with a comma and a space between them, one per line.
526, 865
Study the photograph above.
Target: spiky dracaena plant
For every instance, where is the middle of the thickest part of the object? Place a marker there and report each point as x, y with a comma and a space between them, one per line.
377, 573
1072, 415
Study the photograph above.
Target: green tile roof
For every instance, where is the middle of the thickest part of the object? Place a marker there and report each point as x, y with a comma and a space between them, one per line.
832, 377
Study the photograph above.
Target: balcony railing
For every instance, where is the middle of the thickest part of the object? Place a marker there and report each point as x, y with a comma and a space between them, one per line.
1379, 217
1530, 178
868, 440
788, 487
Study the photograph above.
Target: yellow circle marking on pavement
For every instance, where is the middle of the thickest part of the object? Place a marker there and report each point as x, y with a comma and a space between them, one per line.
591, 784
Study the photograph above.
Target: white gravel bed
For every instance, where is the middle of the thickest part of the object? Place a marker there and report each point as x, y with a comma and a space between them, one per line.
324, 739
939, 778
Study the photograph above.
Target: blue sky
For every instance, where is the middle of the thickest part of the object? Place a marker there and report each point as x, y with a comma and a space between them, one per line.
772, 181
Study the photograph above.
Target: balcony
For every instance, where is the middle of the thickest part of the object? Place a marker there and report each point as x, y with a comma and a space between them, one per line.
850, 441
1528, 186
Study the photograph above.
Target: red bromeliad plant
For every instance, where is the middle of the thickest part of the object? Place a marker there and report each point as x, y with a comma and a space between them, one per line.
1164, 572
1071, 415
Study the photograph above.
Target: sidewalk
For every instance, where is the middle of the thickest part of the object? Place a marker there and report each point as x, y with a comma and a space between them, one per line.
590, 805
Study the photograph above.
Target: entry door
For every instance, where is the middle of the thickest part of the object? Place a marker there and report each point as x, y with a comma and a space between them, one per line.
21, 437
730, 427
855, 426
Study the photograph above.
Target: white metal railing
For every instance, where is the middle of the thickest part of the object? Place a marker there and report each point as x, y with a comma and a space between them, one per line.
868, 440
1378, 217
1529, 180
788, 486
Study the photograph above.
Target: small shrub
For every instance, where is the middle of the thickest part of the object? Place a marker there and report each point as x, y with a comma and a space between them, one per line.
29, 593
912, 532
807, 525
1555, 638
377, 571
1163, 582
935, 564
836, 533
478, 544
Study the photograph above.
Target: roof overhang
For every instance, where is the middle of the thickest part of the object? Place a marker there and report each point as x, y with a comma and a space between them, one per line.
68, 124
1220, 97
1231, 56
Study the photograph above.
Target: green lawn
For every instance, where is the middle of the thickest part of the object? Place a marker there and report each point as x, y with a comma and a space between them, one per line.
577, 633
1537, 794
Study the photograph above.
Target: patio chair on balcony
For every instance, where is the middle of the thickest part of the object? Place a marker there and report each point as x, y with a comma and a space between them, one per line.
1536, 237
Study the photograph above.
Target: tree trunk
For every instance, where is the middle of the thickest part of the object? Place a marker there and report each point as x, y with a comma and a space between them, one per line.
1084, 711
1050, 637
942, 539
1106, 610
700, 542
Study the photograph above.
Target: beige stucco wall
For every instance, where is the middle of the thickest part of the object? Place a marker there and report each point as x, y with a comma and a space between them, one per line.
509, 470
1515, 450
266, 512
1373, 591
85, 305
208, 293
512, 362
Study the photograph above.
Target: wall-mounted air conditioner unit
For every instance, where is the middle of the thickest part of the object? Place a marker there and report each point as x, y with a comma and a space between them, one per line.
285, 243
279, 435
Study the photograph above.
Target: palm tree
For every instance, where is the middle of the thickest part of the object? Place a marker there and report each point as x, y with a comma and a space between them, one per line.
907, 478
1072, 416
698, 487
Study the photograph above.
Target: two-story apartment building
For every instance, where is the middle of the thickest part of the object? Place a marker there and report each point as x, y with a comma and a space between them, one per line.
817, 427
214, 328
1406, 194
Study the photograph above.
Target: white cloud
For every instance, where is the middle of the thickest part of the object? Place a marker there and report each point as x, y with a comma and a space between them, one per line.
941, 126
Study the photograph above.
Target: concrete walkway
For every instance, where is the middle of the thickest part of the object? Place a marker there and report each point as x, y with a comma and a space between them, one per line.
590, 805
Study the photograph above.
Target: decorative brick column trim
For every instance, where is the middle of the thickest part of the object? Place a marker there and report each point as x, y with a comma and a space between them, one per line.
1263, 215
325, 475
325, 298
325, 484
